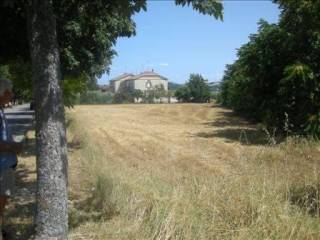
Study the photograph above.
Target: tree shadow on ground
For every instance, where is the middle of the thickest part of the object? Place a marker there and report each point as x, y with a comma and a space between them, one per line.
87, 211
228, 119
95, 206
23, 179
19, 215
306, 197
20, 221
242, 135
75, 144
232, 128
29, 148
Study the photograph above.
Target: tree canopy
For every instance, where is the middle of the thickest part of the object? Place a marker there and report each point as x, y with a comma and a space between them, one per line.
196, 90
276, 76
86, 30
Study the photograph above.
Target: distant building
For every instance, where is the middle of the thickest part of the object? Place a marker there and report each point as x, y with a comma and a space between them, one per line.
144, 81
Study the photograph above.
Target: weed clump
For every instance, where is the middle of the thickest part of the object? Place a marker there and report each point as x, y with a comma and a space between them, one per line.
307, 197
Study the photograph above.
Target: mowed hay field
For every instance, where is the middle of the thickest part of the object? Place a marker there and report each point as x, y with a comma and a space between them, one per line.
187, 171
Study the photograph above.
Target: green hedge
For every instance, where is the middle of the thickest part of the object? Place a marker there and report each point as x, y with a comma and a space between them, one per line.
93, 97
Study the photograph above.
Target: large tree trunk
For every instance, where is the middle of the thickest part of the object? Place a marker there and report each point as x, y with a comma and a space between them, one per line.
52, 213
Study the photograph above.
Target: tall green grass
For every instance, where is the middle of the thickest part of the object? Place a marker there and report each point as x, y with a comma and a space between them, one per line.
270, 193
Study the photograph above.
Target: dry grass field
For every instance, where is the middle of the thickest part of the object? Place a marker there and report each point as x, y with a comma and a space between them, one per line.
176, 137
187, 172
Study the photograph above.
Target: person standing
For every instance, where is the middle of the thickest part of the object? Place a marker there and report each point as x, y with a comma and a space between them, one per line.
8, 152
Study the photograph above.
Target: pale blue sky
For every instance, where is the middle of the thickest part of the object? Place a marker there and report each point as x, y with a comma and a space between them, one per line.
176, 41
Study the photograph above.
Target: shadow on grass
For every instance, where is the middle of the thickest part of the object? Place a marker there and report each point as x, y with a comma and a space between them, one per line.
20, 224
84, 211
23, 180
232, 128
307, 198
19, 216
228, 119
241, 135
29, 148
75, 144
69, 122
97, 206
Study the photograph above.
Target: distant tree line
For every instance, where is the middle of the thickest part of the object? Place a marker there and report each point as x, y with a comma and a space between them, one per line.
276, 78
124, 95
128, 95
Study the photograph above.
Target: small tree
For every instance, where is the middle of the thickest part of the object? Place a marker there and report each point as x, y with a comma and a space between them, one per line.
183, 94
196, 90
137, 94
199, 88
127, 96
159, 92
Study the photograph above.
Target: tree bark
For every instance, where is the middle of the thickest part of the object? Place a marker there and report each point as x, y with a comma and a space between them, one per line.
52, 164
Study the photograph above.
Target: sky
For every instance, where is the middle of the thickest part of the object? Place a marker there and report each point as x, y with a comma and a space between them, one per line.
176, 41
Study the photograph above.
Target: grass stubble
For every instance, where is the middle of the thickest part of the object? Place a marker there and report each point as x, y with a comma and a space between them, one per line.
147, 172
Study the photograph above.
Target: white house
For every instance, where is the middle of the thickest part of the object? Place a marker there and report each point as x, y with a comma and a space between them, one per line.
144, 81
116, 82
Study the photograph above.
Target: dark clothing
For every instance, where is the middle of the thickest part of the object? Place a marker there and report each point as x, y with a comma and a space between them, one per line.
7, 160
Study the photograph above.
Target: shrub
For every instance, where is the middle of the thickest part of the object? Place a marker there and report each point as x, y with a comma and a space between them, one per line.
127, 96
196, 90
276, 76
93, 97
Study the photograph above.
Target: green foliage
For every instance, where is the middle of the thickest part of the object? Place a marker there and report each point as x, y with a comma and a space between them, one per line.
21, 76
72, 87
297, 92
208, 7
137, 94
155, 94
276, 77
127, 96
183, 94
214, 87
159, 91
199, 88
91, 84
174, 86
92, 97
313, 126
4, 71
87, 32
196, 90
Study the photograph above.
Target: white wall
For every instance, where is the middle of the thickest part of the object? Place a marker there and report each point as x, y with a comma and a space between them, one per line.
118, 83
141, 83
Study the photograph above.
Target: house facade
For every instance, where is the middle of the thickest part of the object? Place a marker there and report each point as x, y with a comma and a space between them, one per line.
144, 81
115, 83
